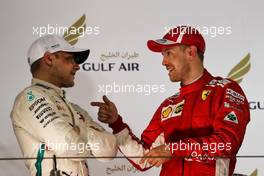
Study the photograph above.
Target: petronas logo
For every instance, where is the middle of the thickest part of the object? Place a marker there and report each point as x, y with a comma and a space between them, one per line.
75, 31
240, 70
30, 96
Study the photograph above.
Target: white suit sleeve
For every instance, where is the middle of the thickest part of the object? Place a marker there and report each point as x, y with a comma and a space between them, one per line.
96, 135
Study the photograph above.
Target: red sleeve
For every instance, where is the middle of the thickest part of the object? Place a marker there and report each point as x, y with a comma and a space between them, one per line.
130, 145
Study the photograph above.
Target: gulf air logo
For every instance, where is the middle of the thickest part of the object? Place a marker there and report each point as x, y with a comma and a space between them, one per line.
76, 30
254, 173
238, 72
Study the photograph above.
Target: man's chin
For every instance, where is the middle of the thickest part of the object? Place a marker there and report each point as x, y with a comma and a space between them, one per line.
68, 85
173, 79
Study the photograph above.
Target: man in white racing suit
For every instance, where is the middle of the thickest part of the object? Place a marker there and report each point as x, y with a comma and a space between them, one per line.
46, 123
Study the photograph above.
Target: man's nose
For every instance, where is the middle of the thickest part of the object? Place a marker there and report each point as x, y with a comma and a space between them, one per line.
77, 66
164, 61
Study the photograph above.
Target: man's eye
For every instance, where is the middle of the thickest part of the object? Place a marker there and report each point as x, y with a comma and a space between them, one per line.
70, 59
166, 53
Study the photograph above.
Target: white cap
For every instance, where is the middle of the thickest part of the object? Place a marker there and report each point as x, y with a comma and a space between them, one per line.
52, 44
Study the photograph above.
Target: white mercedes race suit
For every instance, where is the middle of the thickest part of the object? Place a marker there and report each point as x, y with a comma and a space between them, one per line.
46, 124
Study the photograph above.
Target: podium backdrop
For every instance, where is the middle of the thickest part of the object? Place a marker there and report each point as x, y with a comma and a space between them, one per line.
121, 66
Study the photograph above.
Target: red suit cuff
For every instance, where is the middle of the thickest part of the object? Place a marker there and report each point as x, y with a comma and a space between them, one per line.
118, 125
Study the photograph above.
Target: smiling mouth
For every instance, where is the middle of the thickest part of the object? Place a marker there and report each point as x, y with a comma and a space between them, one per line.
73, 74
170, 69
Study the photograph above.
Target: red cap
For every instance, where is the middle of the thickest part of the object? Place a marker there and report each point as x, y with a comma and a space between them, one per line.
180, 35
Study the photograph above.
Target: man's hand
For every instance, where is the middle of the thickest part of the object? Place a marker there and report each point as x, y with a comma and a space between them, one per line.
157, 156
107, 111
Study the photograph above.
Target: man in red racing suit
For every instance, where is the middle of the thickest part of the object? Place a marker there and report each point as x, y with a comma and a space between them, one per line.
197, 131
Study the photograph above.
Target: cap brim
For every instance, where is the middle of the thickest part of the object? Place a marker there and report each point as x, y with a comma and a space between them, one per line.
160, 44
80, 55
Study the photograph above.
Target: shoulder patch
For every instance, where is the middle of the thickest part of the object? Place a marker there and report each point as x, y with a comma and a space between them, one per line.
235, 94
231, 117
221, 82
30, 96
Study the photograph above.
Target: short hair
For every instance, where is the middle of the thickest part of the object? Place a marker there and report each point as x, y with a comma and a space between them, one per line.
35, 67
199, 53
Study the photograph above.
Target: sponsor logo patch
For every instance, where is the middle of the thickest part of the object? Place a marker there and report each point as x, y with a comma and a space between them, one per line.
30, 96
166, 112
231, 117
81, 117
178, 109
228, 105
205, 94
50, 120
235, 94
60, 108
220, 83
44, 111
172, 111
35, 103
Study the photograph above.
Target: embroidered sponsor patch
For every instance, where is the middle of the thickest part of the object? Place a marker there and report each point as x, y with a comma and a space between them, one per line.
178, 109
60, 108
44, 111
235, 100
40, 107
228, 105
30, 96
221, 82
166, 112
81, 117
172, 111
50, 115
235, 94
205, 94
231, 117
35, 103
50, 120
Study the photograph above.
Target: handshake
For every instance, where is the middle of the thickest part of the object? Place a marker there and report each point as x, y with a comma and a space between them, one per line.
108, 113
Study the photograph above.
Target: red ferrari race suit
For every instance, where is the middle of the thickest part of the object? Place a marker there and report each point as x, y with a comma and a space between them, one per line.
203, 126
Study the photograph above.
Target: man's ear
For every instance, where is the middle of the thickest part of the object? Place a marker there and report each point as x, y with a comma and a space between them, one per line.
47, 58
193, 51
